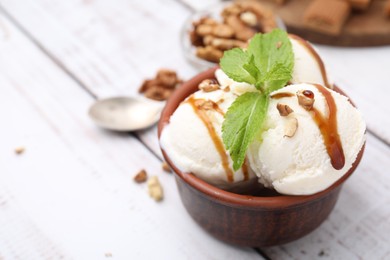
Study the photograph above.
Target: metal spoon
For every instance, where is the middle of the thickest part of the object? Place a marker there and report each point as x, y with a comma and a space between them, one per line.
125, 113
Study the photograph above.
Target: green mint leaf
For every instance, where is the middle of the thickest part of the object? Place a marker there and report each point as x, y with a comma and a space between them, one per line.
251, 68
273, 57
268, 64
232, 63
243, 120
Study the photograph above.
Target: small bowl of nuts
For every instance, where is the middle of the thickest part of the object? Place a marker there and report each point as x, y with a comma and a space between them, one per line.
208, 33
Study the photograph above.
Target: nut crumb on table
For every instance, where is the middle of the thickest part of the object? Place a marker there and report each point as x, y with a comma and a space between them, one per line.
162, 86
166, 167
155, 189
141, 176
19, 150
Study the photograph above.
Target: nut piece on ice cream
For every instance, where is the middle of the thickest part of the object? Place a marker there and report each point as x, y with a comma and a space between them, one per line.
314, 158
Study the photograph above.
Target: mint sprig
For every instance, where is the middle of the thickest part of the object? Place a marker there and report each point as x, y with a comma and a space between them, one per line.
268, 64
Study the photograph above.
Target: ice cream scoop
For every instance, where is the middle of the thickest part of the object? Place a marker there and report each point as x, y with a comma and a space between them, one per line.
193, 140
308, 65
327, 137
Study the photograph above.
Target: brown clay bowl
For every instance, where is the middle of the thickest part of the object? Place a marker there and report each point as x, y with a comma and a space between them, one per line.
246, 220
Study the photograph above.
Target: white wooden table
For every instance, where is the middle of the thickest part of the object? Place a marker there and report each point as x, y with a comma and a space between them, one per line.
70, 195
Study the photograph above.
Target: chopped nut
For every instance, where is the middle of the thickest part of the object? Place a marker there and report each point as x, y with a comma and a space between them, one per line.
141, 176
242, 31
148, 84
227, 44
278, 45
162, 86
209, 53
290, 127
223, 31
207, 20
204, 104
154, 188
158, 93
249, 18
195, 39
166, 167
306, 99
240, 23
208, 85
220, 101
284, 110
19, 150
167, 78
207, 40
204, 29
265, 17
233, 9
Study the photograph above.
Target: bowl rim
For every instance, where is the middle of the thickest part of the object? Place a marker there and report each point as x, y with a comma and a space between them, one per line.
227, 197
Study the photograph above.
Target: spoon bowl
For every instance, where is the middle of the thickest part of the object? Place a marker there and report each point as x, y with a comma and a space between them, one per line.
125, 113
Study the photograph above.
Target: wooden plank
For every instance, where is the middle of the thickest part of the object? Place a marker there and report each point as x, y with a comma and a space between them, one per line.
70, 194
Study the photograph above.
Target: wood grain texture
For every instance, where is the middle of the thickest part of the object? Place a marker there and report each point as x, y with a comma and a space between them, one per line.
70, 195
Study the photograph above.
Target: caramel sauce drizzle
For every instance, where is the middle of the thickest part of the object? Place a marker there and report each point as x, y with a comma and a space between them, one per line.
282, 95
328, 128
201, 113
217, 109
244, 169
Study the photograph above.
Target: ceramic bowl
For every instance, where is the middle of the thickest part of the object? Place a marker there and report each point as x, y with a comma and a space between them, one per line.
246, 220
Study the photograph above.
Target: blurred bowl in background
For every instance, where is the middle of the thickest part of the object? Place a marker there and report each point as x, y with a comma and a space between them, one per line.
213, 12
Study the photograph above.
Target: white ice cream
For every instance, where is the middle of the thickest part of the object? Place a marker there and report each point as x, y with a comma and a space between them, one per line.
300, 165
188, 143
308, 66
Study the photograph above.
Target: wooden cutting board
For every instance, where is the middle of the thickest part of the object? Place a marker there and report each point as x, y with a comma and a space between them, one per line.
368, 28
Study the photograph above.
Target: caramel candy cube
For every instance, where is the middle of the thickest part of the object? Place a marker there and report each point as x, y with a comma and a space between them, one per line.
327, 16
